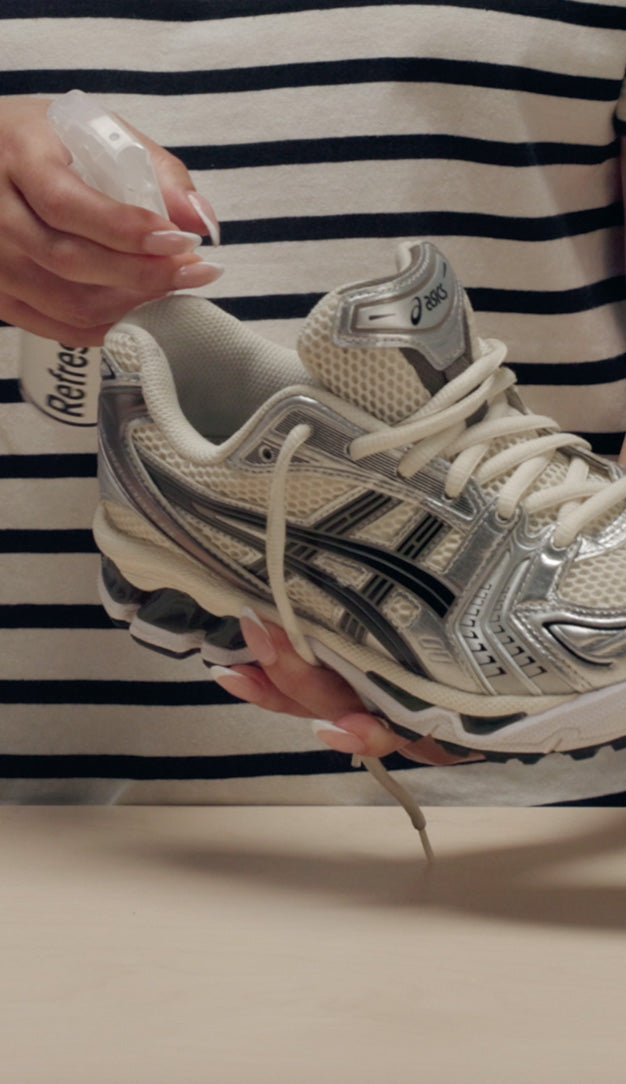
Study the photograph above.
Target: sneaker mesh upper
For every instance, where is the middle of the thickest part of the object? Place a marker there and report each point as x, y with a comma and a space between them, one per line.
308, 491
597, 582
380, 381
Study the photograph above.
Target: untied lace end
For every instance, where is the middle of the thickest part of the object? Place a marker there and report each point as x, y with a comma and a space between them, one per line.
402, 796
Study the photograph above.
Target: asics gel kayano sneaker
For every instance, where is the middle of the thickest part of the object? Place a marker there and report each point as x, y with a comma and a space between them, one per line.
384, 496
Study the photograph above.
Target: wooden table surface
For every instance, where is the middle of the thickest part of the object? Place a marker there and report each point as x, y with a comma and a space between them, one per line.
179, 945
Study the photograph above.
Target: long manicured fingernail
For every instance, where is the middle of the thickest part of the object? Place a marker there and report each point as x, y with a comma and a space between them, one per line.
196, 274
240, 685
205, 212
257, 637
170, 242
342, 741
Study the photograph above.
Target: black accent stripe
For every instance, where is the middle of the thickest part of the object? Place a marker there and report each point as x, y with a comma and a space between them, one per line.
357, 621
550, 302
356, 513
416, 224
573, 374
554, 302
10, 390
425, 532
247, 766
362, 611
156, 694
609, 16
298, 554
340, 227
393, 566
411, 69
375, 148
609, 444
250, 766
379, 587
15, 540
273, 307
606, 801
54, 616
543, 302
49, 466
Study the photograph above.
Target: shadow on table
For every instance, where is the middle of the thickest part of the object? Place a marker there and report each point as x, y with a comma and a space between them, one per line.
569, 880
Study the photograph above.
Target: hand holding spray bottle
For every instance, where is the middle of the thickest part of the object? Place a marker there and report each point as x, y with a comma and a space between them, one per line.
64, 381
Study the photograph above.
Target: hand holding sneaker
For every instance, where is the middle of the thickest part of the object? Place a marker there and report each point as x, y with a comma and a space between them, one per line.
283, 682
73, 261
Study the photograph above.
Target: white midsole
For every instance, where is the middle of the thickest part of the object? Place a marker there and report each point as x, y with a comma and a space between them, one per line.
590, 719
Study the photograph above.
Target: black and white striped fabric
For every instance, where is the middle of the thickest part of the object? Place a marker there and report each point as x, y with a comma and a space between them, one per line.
323, 133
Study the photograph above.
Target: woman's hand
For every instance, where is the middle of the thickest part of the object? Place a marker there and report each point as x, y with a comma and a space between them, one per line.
283, 682
73, 261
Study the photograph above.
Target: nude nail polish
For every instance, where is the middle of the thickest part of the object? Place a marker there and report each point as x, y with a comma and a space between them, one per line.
257, 637
204, 211
170, 242
242, 686
196, 274
343, 740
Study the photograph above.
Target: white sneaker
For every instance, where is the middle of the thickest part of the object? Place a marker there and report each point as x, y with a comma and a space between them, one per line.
384, 496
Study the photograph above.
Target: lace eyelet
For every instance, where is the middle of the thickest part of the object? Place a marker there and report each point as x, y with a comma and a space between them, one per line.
502, 521
559, 547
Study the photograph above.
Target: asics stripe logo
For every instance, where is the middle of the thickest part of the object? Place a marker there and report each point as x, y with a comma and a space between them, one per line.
390, 569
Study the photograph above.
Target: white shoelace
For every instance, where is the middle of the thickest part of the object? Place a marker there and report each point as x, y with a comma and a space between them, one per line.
275, 558
441, 425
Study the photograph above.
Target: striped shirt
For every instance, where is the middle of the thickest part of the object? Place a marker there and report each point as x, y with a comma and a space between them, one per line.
323, 133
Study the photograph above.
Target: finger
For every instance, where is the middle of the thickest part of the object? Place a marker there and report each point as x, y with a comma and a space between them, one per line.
24, 238
202, 211
76, 259
366, 735
324, 693
60, 199
329, 699
80, 305
74, 304
359, 733
252, 684
19, 314
428, 751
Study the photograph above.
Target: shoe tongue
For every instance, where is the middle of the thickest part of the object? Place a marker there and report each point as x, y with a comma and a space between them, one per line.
388, 345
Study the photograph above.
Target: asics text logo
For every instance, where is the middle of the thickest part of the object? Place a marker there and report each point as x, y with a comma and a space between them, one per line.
416, 311
429, 301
